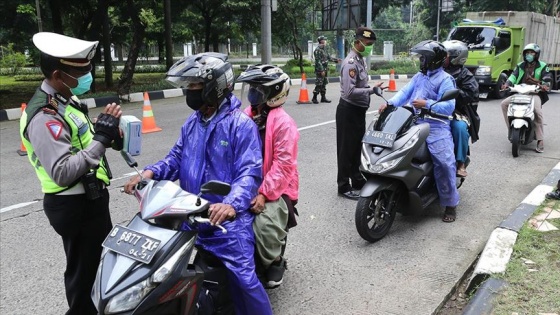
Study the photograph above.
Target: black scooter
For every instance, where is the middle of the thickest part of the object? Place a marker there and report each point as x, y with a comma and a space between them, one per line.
398, 167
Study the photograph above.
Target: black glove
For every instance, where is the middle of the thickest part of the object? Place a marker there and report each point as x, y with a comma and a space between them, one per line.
106, 129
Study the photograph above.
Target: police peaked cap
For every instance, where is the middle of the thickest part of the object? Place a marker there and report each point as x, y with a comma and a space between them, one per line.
364, 32
69, 51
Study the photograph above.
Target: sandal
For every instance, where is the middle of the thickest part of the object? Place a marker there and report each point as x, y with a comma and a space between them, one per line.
540, 146
461, 172
449, 215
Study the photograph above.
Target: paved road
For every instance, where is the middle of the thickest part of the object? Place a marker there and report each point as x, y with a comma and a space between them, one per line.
331, 269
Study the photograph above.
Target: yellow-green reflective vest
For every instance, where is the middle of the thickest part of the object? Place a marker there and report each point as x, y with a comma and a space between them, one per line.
71, 116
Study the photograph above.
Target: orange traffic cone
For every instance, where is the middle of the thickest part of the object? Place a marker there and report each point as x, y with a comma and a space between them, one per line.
148, 120
303, 95
22, 150
392, 82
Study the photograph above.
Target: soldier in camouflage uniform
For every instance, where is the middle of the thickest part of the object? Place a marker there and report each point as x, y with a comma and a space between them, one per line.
322, 59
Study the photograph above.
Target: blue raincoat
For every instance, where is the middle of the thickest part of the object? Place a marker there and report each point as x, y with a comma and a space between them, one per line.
430, 87
226, 148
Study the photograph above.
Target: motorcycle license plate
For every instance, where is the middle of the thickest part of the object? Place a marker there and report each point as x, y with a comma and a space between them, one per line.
379, 138
132, 244
482, 95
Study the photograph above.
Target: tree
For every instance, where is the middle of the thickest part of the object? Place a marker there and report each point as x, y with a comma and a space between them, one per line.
138, 32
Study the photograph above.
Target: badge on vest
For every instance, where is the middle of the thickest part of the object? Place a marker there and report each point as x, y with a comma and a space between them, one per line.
82, 125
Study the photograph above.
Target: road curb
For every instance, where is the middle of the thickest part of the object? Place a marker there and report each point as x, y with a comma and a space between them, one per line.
499, 247
15, 113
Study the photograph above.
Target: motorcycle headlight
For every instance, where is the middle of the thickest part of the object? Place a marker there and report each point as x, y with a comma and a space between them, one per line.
130, 298
384, 166
165, 270
483, 70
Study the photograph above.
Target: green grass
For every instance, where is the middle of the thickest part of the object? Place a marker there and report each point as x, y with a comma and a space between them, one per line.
533, 292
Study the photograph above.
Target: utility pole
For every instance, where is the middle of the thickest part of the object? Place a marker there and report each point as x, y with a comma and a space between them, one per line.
437, 26
266, 40
39, 22
168, 38
368, 25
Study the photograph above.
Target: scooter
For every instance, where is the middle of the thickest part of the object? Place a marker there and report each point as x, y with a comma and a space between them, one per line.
398, 167
145, 267
521, 116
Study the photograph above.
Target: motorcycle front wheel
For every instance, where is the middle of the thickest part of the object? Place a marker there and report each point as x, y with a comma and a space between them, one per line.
515, 142
375, 215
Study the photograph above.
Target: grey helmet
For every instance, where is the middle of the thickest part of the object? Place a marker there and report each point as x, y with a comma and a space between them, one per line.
534, 47
209, 68
457, 52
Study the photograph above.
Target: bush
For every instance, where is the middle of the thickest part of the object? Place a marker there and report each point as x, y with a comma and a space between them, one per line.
11, 59
295, 63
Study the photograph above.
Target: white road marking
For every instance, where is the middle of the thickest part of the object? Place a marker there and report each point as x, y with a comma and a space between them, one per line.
127, 175
19, 205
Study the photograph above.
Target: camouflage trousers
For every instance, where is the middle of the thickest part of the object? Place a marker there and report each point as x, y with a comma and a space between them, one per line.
321, 84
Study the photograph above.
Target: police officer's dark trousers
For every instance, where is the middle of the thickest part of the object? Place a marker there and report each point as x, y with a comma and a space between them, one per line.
350, 128
83, 225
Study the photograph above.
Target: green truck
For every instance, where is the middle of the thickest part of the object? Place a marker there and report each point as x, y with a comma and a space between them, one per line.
496, 40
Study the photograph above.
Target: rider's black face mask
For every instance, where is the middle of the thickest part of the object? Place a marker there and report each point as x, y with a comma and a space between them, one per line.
194, 99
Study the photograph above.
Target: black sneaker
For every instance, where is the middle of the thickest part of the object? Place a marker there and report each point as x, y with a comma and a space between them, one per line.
275, 273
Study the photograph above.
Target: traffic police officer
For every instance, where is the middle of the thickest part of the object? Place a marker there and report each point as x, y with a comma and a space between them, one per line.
351, 113
67, 151
322, 59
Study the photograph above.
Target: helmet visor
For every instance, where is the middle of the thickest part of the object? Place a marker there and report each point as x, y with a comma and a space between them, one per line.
182, 82
253, 94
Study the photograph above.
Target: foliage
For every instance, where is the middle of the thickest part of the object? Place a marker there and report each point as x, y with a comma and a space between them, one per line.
11, 59
295, 63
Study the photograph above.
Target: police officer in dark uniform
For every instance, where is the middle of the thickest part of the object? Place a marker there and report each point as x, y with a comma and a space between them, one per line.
67, 151
351, 113
322, 59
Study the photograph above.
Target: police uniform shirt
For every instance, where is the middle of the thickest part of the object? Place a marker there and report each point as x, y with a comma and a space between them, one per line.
49, 134
354, 87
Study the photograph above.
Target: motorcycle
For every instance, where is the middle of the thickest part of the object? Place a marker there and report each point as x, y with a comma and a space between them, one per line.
521, 116
144, 267
398, 167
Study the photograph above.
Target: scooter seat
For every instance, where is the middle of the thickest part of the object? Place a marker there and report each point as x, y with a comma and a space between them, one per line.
422, 155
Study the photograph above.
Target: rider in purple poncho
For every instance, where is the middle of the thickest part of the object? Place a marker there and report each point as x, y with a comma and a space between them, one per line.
423, 90
219, 142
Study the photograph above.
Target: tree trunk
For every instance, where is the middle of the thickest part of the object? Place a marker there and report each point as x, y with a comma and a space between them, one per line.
137, 38
107, 59
161, 49
56, 17
168, 38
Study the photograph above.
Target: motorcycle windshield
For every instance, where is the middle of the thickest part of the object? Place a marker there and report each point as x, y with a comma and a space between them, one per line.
394, 120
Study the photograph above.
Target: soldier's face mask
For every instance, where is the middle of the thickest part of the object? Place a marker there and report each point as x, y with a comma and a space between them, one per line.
84, 84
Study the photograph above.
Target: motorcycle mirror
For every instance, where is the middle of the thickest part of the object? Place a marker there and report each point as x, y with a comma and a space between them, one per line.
129, 159
449, 95
378, 91
216, 187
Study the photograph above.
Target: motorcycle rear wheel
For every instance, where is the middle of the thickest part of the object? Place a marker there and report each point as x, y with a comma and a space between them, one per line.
515, 142
375, 215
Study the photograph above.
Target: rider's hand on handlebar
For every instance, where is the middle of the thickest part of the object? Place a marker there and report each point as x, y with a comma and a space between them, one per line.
257, 204
130, 186
382, 107
419, 103
219, 212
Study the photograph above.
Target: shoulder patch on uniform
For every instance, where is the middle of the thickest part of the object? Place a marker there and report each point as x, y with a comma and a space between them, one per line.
55, 128
49, 111
352, 73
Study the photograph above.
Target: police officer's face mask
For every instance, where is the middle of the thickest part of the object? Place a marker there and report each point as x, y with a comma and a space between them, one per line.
367, 49
194, 99
84, 84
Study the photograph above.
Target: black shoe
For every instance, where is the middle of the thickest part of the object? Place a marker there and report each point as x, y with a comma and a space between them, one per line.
275, 273
314, 100
351, 194
554, 195
325, 100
